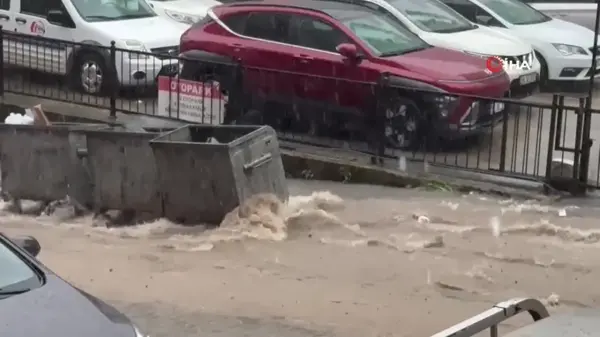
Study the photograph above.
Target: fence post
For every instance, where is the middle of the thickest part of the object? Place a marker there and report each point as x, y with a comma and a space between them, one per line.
114, 78
376, 122
586, 143
505, 115
2, 61
236, 102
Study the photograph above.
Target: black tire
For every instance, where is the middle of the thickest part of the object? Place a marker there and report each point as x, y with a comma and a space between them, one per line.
90, 74
543, 72
404, 125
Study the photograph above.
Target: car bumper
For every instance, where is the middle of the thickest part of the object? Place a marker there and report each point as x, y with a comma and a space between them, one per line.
142, 72
524, 83
571, 74
475, 122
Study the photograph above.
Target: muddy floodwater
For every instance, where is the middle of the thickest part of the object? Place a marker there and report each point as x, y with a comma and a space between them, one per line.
337, 260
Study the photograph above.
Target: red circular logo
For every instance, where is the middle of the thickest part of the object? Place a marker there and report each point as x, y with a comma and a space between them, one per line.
494, 64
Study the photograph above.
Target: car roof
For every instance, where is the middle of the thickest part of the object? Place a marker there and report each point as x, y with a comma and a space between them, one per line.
583, 322
314, 5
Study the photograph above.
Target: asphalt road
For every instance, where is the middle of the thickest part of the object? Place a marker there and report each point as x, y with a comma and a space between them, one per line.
525, 152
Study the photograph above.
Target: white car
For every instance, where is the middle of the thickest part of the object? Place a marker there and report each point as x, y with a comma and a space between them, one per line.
131, 24
183, 11
563, 48
441, 26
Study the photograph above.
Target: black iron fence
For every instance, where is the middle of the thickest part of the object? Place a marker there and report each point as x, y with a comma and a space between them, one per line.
384, 117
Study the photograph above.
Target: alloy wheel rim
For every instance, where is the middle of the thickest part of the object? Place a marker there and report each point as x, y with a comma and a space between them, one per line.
91, 77
401, 126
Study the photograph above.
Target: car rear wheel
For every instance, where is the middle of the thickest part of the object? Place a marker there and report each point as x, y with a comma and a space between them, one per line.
91, 75
403, 125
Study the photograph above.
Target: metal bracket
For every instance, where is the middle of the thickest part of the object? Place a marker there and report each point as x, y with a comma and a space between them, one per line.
490, 319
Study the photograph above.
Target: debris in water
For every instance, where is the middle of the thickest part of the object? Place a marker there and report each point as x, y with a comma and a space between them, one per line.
553, 300
562, 212
436, 242
421, 219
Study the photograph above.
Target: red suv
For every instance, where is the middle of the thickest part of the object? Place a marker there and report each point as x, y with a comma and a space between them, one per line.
328, 54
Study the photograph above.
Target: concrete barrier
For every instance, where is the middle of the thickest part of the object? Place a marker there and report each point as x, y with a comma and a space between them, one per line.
37, 161
207, 170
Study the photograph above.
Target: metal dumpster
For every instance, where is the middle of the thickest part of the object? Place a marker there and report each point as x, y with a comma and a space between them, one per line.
122, 170
207, 170
37, 162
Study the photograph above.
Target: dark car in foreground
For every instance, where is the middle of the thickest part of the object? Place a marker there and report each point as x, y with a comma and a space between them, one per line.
36, 302
304, 56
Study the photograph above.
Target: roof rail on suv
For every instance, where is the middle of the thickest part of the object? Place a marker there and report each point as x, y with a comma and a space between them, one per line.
490, 319
363, 3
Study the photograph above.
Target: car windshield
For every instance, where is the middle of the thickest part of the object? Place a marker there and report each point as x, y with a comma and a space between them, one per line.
16, 275
432, 16
383, 35
515, 12
112, 10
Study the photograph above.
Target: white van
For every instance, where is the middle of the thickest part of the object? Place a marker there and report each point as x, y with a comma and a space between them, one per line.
131, 24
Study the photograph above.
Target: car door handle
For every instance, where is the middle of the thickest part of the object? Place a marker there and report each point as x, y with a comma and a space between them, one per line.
304, 59
21, 20
4, 17
237, 47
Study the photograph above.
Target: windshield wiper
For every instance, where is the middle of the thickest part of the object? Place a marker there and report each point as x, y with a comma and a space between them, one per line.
134, 16
13, 292
100, 17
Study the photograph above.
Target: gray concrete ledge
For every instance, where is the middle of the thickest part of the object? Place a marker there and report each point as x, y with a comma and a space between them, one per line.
303, 165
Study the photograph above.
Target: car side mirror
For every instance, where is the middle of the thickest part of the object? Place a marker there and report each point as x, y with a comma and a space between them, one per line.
349, 51
57, 17
28, 243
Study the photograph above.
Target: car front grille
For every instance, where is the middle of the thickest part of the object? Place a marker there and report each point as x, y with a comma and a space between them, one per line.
165, 52
519, 59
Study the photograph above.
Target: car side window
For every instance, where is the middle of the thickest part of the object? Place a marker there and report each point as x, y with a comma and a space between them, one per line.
39, 7
473, 12
313, 33
268, 26
236, 22
5, 4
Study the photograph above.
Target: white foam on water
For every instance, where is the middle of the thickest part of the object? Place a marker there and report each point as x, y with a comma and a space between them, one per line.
265, 217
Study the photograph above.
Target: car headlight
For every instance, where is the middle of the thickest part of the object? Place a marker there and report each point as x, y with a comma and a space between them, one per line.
444, 104
568, 49
136, 45
181, 17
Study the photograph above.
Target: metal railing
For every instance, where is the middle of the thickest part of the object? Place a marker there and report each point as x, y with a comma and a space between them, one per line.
499, 136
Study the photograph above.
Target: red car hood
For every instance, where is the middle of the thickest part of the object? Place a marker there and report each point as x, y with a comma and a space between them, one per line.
443, 64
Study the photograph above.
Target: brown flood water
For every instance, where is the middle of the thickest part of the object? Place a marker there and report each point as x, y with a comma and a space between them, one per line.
343, 259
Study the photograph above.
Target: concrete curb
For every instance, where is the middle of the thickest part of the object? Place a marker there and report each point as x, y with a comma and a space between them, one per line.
314, 167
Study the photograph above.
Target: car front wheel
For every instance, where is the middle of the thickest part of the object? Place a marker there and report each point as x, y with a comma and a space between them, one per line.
402, 125
91, 74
